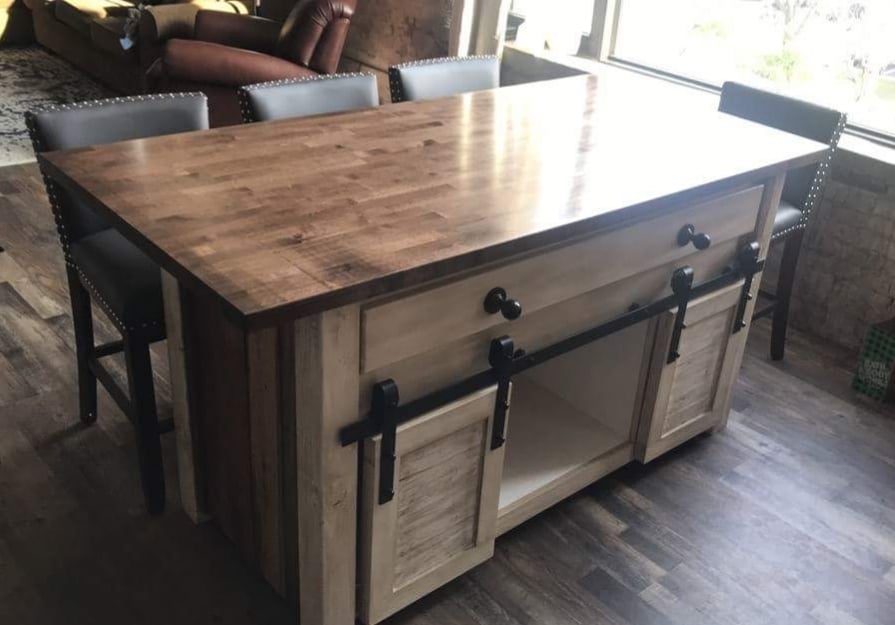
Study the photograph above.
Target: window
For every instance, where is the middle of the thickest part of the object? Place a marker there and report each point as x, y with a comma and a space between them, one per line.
835, 52
554, 26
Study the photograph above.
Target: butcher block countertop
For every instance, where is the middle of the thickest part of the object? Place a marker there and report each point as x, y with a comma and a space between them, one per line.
283, 219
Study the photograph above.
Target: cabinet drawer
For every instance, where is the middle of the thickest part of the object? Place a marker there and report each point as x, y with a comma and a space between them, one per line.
396, 329
689, 395
442, 519
447, 363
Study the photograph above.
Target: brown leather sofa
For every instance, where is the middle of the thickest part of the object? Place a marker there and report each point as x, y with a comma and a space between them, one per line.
228, 51
87, 33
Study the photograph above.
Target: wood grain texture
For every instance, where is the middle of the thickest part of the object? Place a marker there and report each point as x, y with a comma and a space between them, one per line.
388, 32
687, 396
189, 462
75, 542
773, 190
406, 325
219, 387
326, 366
454, 460
266, 419
240, 414
442, 520
696, 380
293, 217
786, 515
445, 364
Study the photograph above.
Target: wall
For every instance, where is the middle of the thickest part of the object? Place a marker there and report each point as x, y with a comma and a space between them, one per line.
846, 276
386, 32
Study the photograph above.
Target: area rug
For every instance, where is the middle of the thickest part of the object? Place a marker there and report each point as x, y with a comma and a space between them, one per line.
30, 78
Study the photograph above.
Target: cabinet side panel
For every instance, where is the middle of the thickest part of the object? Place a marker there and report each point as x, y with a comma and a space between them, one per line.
216, 350
265, 422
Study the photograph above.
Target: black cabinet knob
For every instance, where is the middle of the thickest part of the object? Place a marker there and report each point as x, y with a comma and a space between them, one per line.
497, 302
688, 234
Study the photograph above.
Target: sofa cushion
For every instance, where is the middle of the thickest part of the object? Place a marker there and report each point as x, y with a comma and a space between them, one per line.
80, 13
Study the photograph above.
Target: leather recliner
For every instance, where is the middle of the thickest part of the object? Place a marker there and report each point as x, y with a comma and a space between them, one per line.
228, 51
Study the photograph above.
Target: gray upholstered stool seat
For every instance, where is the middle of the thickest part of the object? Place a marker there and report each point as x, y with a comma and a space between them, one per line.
301, 97
438, 78
788, 217
103, 267
122, 278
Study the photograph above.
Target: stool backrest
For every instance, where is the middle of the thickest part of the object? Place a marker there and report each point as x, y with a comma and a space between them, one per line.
83, 124
300, 97
804, 186
438, 78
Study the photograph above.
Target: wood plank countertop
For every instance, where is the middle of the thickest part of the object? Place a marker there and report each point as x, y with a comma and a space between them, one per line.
289, 218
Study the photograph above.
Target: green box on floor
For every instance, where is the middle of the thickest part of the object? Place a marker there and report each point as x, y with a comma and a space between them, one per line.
876, 364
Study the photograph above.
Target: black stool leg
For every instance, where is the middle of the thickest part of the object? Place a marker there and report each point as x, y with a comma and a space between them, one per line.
83, 322
142, 398
785, 280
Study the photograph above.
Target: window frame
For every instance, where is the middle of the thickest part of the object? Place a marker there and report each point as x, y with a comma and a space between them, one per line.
601, 46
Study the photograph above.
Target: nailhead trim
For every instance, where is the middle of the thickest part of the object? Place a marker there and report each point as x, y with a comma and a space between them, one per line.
818, 184
55, 193
105, 305
396, 87
785, 233
245, 107
74, 106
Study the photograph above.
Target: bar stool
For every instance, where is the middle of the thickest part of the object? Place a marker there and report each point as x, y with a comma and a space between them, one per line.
803, 188
437, 78
105, 268
301, 97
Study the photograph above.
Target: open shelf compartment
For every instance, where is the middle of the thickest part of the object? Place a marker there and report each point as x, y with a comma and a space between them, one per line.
572, 420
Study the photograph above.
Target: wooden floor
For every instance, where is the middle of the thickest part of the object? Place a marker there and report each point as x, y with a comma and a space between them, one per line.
787, 517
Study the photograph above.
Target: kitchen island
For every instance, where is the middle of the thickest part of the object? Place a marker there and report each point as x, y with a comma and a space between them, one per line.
398, 333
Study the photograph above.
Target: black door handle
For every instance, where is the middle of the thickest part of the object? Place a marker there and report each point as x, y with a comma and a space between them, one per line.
496, 301
688, 234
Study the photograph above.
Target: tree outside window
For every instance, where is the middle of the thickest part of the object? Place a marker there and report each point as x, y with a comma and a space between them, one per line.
836, 52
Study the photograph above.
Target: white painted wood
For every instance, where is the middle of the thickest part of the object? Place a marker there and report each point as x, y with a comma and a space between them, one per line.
549, 439
443, 517
602, 380
441, 365
326, 365
399, 328
689, 395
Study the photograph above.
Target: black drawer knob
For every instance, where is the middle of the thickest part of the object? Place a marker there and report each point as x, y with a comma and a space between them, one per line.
688, 234
497, 302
